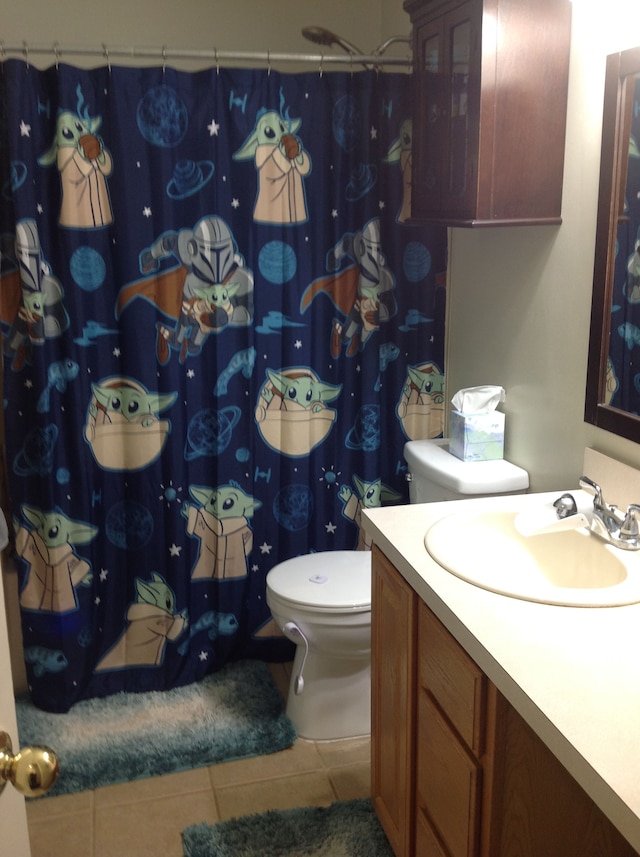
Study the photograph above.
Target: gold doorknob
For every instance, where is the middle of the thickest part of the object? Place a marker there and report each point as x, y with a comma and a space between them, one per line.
31, 771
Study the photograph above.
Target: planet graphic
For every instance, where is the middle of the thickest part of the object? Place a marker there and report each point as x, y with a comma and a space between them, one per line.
293, 507
277, 262
129, 525
162, 117
365, 432
87, 268
362, 179
209, 432
346, 122
17, 177
36, 455
416, 262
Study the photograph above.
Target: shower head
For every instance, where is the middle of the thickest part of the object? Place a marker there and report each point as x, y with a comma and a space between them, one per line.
321, 36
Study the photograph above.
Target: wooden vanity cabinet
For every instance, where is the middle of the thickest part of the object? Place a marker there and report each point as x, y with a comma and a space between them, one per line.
456, 771
490, 100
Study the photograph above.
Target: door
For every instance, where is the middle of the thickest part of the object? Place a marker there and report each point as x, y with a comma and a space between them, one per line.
13, 815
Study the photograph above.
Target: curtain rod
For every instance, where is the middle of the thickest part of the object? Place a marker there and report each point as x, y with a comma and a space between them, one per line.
165, 54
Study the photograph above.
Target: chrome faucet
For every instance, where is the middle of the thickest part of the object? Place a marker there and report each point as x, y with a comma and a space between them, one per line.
611, 524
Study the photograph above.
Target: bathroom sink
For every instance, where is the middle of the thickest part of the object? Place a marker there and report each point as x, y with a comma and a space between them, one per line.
572, 568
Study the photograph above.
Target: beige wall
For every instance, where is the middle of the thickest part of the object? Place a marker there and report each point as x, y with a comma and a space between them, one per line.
520, 299
238, 25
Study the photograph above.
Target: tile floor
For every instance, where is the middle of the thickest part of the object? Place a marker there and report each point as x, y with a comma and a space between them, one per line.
145, 818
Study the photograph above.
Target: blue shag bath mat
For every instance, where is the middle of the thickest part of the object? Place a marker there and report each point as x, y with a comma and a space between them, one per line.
231, 714
344, 829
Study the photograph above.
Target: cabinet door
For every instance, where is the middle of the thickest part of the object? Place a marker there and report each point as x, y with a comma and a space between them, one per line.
393, 635
447, 122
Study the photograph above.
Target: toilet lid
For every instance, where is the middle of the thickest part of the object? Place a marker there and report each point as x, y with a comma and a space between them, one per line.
328, 579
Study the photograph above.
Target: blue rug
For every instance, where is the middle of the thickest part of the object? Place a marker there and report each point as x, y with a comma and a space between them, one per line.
231, 714
344, 829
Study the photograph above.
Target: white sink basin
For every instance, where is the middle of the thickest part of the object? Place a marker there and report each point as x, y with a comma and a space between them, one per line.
571, 568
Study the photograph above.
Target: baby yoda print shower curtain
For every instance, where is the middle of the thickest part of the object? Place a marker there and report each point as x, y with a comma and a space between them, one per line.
219, 329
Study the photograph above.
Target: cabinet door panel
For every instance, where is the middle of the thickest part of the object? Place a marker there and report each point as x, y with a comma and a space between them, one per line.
452, 677
448, 782
427, 844
393, 640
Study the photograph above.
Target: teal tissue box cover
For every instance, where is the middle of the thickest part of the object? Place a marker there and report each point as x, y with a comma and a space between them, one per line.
476, 437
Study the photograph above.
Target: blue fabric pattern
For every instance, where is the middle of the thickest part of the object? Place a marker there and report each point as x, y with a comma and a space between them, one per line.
219, 330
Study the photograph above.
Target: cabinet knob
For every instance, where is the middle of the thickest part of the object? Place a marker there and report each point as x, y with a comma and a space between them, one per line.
31, 771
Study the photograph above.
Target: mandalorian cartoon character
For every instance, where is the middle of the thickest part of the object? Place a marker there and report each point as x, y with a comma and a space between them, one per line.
363, 291
400, 153
209, 290
31, 303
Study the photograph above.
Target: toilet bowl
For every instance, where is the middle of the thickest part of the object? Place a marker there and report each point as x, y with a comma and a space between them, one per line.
322, 602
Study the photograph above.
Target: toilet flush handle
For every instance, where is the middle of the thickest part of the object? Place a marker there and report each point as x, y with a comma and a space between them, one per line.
294, 633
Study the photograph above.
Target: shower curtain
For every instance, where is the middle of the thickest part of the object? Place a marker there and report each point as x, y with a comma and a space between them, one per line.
219, 329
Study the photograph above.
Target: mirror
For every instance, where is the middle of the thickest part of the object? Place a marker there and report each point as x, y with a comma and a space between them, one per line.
612, 399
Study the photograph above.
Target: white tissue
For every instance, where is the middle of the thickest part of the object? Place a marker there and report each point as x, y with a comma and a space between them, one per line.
478, 400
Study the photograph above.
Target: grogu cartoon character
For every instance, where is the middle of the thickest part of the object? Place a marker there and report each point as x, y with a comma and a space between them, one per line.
368, 495
123, 426
152, 623
84, 165
400, 153
210, 290
421, 406
221, 523
282, 164
292, 413
363, 292
55, 569
31, 300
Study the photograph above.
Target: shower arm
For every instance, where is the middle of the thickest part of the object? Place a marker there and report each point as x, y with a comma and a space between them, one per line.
321, 36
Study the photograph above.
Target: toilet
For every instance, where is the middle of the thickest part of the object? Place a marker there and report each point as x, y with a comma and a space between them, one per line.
322, 601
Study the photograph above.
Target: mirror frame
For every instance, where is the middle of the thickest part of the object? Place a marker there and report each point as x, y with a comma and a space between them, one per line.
621, 69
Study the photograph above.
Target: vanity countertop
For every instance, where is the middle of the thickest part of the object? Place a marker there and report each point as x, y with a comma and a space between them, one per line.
573, 673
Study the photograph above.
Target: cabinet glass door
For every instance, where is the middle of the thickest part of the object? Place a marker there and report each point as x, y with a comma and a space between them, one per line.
431, 138
459, 56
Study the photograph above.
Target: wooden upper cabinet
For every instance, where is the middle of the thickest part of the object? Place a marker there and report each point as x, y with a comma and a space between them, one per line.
490, 101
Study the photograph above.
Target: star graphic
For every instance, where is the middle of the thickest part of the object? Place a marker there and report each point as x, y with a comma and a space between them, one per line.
28, 383
39, 208
25, 130
334, 213
235, 203
116, 352
146, 211
374, 133
104, 573
297, 344
174, 550
204, 656
265, 548
214, 127
381, 205
191, 373
330, 528
97, 600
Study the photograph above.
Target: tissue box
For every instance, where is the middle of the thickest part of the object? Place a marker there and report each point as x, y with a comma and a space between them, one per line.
476, 437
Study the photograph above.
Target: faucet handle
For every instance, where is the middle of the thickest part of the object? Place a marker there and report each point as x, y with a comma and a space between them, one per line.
630, 528
589, 484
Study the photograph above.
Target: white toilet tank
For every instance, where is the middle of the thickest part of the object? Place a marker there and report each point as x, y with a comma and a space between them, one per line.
435, 474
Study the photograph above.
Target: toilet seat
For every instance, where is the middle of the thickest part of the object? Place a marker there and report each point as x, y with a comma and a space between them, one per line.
327, 580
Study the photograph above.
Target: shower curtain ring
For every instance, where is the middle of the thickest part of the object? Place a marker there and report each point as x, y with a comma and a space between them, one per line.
164, 60
321, 62
25, 51
215, 54
106, 56
268, 63
56, 51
